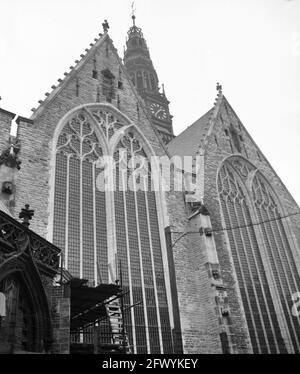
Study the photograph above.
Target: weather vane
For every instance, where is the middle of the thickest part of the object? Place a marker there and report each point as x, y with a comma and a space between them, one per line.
133, 9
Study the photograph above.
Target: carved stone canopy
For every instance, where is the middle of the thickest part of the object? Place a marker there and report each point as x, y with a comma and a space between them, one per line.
195, 206
19, 240
198, 206
28, 260
203, 210
9, 156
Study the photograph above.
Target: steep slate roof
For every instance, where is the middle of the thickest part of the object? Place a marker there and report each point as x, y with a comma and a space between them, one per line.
192, 139
187, 143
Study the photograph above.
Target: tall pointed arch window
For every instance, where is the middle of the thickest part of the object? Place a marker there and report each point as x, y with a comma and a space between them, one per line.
96, 227
79, 223
255, 292
279, 252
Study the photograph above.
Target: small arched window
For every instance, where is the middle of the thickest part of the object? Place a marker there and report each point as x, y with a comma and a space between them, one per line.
108, 85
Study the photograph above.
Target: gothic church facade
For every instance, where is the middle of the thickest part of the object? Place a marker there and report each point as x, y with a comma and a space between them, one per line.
209, 270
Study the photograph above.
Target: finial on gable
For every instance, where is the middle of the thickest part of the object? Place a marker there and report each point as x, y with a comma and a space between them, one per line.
219, 88
105, 26
26, 214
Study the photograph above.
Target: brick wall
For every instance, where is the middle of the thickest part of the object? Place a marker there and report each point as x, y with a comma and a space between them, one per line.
199, 324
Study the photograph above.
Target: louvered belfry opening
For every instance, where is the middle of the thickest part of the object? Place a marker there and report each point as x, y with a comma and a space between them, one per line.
89, 224
257, 249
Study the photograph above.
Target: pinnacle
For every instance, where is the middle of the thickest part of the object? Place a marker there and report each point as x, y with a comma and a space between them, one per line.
105, 26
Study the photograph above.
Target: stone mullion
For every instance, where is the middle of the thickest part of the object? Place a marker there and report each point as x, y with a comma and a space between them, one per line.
94, 224
153, 272
124, 188
67, 214
140, 257
80, 205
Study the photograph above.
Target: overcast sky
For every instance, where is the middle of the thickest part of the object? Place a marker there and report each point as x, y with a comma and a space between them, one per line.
252, 47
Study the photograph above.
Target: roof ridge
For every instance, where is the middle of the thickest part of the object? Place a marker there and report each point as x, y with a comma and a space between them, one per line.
62, 82
212, 116
217, 105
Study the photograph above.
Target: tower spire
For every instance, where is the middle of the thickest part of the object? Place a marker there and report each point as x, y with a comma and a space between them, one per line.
140, 68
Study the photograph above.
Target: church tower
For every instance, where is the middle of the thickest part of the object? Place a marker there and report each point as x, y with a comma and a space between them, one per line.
139, 66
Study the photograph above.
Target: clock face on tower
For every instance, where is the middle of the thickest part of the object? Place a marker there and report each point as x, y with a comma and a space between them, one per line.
158, 111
